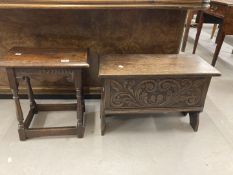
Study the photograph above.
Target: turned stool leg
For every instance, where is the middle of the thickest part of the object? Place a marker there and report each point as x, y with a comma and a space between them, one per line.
102, 114
78, 87
83, 103
31, 95
194, 120
14, 88
199, 28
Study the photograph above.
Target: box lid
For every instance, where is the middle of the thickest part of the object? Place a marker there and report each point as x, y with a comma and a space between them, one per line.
154, 65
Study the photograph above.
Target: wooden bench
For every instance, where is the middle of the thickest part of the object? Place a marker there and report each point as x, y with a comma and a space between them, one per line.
20, 63
154, 83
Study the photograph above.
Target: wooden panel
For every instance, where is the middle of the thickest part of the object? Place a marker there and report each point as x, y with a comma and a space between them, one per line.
103, 31
101, 4
154, 65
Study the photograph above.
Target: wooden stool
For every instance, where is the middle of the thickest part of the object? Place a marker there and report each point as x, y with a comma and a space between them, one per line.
154, 83
30, 60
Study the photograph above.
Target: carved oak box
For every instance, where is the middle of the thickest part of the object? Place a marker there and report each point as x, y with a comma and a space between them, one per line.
154, 83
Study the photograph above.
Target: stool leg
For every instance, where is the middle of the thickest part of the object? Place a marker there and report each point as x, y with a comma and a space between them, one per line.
102, 114
83, 103
78, 87
199, 28
14, 88
31, 95
194, 120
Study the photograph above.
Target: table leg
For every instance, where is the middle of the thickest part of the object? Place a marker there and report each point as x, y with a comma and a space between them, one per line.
77, 75
213, 31
14, 88
187, 27
199, 28
194, 120
219, 33
218, 48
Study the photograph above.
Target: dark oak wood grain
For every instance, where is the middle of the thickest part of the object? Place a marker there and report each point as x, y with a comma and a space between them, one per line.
154, 65
154, 83
20, 57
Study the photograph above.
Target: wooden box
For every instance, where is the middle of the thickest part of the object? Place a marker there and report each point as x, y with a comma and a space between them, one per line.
154, 83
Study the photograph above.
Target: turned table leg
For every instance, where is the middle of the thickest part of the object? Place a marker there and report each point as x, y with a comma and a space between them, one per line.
78, 87
194, 120
14, 88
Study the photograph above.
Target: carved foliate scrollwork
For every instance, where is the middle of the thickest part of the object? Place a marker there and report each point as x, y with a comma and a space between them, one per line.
157, 92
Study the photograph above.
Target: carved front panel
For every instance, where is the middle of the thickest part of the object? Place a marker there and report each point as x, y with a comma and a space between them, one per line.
159, 93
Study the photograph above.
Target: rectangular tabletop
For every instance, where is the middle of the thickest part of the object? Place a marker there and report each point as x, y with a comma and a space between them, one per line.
34, 57
154, 65
95, 4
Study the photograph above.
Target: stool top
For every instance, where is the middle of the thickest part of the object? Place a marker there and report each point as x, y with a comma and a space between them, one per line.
154, 65
20, 57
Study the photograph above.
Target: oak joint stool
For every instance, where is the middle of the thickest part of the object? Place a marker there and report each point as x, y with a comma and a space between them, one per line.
147, 83
21, 61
